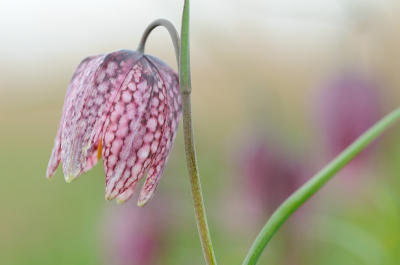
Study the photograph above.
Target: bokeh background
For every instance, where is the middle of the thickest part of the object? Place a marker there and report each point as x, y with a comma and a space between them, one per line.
279, 88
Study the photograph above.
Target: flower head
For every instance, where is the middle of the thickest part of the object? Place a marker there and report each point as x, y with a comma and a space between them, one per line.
125, 107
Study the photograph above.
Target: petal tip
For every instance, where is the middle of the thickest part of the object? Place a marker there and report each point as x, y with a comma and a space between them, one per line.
70, 178
108, 197
141, 203
50, 173
70, 175
111, 195
119, 201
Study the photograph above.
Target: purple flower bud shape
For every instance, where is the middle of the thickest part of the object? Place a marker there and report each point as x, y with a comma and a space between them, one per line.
350, 104
272, 175
125, 107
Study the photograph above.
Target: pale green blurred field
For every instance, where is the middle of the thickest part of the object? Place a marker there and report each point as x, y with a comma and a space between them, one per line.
258, 73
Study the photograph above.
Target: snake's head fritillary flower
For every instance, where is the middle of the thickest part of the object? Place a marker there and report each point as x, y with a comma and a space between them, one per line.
125, 107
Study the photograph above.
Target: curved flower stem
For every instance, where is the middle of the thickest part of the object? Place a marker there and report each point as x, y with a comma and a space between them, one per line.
290, 205
182, 53
185, 85
172, 32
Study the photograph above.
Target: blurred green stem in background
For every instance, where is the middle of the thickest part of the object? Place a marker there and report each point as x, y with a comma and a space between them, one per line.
182, 52
290, 205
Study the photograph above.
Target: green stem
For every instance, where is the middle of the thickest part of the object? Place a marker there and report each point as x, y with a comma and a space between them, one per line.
185, 85
290, 205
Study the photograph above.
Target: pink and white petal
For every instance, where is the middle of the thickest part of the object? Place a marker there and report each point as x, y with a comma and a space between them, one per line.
153, 177
55, 157
127, 194
171, 86
157, 168
93, 158
78, 74
90, 103
171, 80
131, 130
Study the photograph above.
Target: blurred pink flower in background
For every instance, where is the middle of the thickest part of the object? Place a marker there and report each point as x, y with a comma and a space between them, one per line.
267, 174
134, 236
350, 104
271, 173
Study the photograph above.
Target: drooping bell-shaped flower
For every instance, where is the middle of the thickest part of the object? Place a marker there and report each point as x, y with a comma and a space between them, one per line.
125, 107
